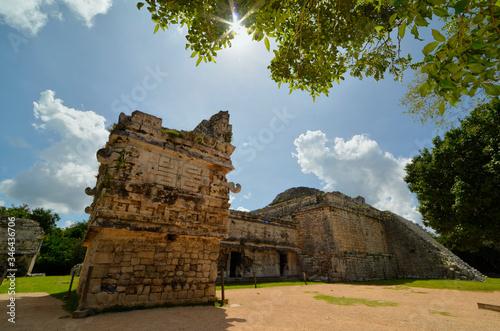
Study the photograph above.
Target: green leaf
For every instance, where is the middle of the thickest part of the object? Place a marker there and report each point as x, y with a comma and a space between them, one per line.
438, 11
460, 6
199, 60
441, 108
421, 21
414, 31
423, 89
402, 30
266, 41
392, 18
491, 89
156, 28
430, 47
438, 36
379, 28
445, 84
139, 5
194, 54
478, 18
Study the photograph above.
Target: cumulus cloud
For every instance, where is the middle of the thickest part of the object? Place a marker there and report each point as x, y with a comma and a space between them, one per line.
58, 179
88, 9
32, 15
357, 167
242, 209
68, 224
27, 15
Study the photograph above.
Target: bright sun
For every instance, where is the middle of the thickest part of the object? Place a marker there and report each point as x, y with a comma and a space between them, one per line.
235, 24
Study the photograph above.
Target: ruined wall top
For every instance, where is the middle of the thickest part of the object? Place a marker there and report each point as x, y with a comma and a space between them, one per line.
163, 180
318, 199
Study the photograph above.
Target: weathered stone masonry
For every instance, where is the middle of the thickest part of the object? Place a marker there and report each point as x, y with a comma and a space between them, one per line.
160, 228
337, 238
28, 240
159, 213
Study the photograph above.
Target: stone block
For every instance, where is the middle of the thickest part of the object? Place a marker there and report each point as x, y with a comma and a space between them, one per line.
131, 299
103, 257
147, 261
154, 298
101, 298
146, 254
156, 289
95, 285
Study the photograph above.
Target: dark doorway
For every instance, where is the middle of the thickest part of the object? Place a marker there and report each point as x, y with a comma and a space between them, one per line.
283, 262
235, 262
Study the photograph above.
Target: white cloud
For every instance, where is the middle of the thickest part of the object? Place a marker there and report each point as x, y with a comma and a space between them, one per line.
87, 9
26, 15
231, 198
32, 15
58, 179
242, 209
247, 196
357, 167
68, 224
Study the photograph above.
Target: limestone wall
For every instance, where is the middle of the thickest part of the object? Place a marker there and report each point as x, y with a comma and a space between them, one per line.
343, 238
139, 268
28, 240
249, 228
270, 263
264, 245
159, 212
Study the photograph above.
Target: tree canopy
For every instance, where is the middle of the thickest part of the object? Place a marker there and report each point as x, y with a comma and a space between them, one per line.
457, 183
320, 42
45, 217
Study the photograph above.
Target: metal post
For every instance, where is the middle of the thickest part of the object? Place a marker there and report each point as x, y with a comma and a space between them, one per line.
255, 279
70, 285
222, 288
86, 288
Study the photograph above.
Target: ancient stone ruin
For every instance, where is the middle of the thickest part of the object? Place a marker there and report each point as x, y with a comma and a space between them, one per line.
159, 213
28, 240
160, 228
332, 237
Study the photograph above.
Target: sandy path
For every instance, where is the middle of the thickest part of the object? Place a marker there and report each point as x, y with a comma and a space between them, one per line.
279, 308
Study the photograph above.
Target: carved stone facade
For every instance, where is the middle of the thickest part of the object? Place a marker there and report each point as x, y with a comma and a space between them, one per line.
160, 226
332, 237
159, 213
28, 240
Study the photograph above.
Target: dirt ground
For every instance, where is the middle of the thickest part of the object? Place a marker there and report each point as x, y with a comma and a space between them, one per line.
278, 308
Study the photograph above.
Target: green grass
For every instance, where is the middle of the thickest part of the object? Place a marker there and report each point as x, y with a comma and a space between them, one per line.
56, 286
440, 313
49, 284
491, 284
234, 286
343, 301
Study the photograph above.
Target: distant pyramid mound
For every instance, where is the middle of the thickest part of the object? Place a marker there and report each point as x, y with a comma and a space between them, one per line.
295, 193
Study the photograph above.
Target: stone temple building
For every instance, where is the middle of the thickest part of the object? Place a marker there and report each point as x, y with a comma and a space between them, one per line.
332, 237
160, 229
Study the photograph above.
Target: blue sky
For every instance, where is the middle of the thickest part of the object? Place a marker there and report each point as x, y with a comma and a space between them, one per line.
68, 69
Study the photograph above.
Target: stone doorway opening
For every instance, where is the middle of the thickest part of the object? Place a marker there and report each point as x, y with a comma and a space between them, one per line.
234, 263
283, 263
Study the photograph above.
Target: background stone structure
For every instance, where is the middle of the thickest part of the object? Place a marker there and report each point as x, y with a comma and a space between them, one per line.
28, 242
333, 237
159, 213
